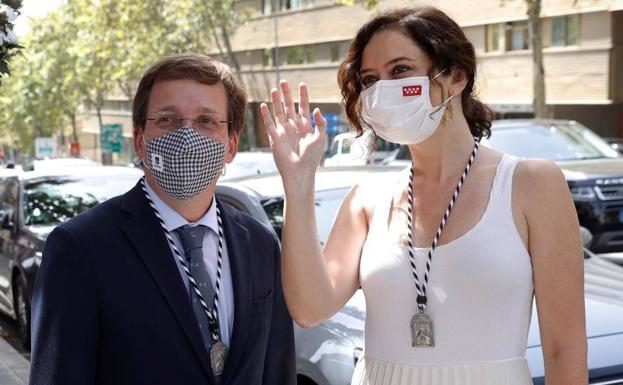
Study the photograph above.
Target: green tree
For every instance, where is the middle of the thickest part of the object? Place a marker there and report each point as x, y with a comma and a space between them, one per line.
88, 51
9, 10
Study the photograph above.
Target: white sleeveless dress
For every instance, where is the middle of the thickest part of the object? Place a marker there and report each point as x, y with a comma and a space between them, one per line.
480, 300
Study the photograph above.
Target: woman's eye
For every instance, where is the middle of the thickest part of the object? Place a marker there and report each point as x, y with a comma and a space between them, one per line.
400, 70
369, 80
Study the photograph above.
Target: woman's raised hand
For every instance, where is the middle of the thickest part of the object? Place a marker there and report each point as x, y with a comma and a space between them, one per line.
297, 147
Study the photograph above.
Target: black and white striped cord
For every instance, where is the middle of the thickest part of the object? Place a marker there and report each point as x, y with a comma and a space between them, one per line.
212, 315
421, 288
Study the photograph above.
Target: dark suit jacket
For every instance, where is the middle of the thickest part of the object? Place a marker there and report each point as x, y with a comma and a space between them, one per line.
110, 306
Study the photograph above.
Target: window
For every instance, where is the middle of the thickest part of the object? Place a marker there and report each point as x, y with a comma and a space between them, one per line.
53, 200
517, 36
338, 51
267, 57
494, 34
326, 204
8, 202
300, 54
297, 4
268, 6
565, 30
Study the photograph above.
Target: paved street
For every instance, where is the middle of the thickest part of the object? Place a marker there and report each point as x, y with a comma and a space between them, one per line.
13, 358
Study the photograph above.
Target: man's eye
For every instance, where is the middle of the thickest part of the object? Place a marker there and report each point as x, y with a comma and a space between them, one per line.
165, 120
208, 120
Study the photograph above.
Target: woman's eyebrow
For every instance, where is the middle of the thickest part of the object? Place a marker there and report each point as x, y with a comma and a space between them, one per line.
398, 59
389, 63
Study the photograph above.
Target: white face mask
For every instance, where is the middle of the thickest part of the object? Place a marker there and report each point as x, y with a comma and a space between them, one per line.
400, 111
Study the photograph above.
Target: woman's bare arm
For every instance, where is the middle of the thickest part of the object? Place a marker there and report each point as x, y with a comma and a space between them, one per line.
316, 283
558, 267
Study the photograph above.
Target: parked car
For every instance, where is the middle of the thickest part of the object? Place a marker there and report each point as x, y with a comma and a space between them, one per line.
31, 205
616, 143
247, 163
593, 169
56, 163
328, 352
348, 149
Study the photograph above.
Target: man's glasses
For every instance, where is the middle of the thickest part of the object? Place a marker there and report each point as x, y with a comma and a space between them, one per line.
206, 123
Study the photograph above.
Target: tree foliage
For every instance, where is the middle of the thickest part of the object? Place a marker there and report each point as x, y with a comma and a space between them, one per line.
9, 48
88, 51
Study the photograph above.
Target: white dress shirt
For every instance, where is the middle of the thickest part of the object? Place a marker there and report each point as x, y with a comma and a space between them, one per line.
172, 220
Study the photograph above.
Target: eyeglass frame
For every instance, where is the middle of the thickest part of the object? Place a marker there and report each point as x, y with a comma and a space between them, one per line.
181, 119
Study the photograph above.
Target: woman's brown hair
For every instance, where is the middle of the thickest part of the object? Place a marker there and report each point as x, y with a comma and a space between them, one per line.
443, 41
195, 66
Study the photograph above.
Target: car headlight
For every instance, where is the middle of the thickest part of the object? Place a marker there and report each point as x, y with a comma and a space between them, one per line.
38, 257
583, 193
357, 353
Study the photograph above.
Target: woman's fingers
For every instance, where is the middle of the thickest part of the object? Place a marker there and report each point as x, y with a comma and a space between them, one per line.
288, 100
278, 106
321, 122
303, 101
304, 108
268, 123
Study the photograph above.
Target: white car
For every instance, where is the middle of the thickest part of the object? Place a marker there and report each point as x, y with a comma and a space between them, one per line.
327, 353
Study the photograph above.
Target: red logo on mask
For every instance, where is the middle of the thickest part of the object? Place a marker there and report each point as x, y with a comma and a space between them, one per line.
411, 90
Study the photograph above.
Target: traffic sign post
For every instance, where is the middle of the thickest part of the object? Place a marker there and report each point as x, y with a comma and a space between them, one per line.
112, 138
44, 147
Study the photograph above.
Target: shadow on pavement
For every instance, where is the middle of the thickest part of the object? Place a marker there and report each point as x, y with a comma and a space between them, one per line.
8, 331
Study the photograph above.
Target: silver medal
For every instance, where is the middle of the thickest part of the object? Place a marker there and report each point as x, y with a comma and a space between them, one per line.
422, 334
218, 357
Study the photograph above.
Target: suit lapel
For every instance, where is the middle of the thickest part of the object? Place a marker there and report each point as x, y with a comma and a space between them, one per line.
237, 238
145, 233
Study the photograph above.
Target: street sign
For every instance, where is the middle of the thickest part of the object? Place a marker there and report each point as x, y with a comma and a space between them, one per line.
112, 138
45, 147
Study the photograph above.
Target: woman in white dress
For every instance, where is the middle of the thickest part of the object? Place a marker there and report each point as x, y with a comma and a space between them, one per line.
449, 256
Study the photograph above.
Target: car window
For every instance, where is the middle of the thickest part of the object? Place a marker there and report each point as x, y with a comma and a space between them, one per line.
327, 204
8, 200
558, 142
49, 201
333, 150
346, 144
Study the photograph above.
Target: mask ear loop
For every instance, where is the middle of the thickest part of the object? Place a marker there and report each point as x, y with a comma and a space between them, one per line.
224, 170
441, 106
140, 162
446, 101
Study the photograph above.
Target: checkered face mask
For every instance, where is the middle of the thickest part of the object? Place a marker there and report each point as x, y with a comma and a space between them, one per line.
184, 162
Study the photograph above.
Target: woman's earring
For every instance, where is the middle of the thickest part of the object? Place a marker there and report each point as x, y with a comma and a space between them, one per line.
224, 171
447, 114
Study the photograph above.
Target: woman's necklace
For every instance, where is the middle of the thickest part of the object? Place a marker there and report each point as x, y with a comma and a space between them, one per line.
422, 331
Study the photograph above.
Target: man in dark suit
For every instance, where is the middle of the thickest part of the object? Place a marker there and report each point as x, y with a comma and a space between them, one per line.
165, 284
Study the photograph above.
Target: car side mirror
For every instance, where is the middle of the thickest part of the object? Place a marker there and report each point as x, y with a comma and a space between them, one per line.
587, 236
617, 147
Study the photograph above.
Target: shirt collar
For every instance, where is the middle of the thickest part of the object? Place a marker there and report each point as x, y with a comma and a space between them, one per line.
172, 219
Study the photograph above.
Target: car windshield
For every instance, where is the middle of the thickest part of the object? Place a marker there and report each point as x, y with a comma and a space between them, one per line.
555, 141
327, 204
49, 201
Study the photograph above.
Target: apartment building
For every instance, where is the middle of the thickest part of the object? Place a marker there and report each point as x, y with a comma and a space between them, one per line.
305, 40
582, 39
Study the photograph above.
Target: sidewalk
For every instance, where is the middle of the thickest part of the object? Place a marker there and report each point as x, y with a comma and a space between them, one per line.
14, 368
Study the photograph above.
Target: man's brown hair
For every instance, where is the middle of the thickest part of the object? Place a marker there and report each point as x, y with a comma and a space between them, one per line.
201, 68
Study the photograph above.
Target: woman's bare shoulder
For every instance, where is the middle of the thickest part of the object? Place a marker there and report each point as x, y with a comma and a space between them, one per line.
368, 193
